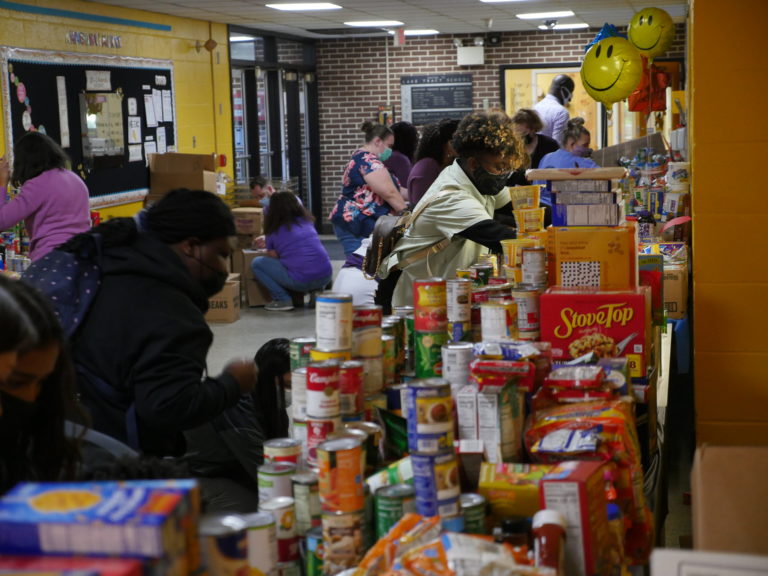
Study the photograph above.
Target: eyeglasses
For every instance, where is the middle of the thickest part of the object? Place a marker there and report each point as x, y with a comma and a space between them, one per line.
497, 168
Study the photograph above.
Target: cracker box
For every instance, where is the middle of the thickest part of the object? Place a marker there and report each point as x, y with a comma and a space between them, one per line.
512, 489
577, 321
604, 258
94, 519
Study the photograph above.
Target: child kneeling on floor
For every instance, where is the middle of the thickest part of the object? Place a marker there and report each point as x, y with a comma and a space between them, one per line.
295, 259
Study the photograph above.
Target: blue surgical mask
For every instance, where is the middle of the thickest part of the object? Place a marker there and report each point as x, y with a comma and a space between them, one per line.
264, 202
384, 156
582, 151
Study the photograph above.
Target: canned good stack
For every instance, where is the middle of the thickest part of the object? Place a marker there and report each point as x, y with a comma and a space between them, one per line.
283, 509
459, 309
323, 405
367, 347
430, 325
408, 352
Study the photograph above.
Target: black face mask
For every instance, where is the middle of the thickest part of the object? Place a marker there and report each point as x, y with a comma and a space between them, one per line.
214, 282
16, 414
488, 184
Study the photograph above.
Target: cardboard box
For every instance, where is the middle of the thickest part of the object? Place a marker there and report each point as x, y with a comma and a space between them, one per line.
611, 324
248, 220
596, 257
652, 274
224, 307
730, 499
255, 293
665, 561
676, 292
512, 489
170, 171
577, 490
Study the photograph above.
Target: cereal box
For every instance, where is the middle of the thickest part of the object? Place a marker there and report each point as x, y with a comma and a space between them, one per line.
93, 518
577, 321
604, 258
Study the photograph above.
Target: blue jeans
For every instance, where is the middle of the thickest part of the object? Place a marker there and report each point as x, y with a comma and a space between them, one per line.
275, 277
349, 241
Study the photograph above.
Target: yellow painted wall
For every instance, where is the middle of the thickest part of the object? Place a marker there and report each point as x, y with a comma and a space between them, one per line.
729, 143
202, 80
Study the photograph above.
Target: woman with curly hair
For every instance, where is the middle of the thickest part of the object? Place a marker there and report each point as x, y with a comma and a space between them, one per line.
456, 224
434, 153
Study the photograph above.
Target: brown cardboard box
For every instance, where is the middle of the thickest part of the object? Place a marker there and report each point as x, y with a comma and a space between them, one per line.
224, 307
248, 220
256, 294
730, 499
676, 291
171, 170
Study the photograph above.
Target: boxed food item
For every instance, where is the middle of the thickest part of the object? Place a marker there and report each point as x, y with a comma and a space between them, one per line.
597, 257
676, 291
730, 499
585, 214
652, 274
170, 171
611, 324
224, 307
500, 415
69, 566
248, 221
512, 489
577, 490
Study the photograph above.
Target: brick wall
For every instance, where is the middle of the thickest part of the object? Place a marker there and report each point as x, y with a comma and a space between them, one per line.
351, 77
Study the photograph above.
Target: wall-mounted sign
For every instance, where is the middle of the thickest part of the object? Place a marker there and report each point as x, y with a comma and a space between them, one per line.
430, 98
93, 39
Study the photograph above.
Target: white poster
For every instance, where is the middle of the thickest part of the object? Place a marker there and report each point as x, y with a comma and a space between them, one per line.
133, 107
61, 93
134, 153
134, 130
98, 81
161, 143
167, 106
157, 102
149, 148
149, 111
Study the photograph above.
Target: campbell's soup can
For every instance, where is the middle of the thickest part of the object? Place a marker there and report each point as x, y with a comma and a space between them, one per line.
436, 481
429, 305
282, 450
299, 351
283, 509
392, 503
351, 387
373, 374
275, 480
498, 320
528, 318
534, 265
430, 416
323, 355
299, 393
457, 357
341, 464
342, 541
306, 496
366, 330
323, 390
459, 299
318, 430
428, 360
333, 321
224, 544
262, 543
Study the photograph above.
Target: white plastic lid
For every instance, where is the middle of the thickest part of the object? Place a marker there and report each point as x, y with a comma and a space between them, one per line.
548, 516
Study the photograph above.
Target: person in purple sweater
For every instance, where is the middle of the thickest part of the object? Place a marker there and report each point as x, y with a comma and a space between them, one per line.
52, 201
295, 259
434, 153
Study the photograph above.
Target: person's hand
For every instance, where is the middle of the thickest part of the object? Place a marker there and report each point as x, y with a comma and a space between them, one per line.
272, 254
5, 172
259, 243
245, 372
269, 190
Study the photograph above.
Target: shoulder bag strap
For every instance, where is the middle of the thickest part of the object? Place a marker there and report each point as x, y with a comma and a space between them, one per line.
434, 248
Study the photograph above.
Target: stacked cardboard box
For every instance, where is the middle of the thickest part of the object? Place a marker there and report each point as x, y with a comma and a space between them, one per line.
170, 171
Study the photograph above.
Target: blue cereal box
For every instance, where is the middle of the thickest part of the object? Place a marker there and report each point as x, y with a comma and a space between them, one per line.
93, 519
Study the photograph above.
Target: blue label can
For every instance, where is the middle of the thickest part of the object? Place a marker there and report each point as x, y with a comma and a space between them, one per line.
430, 416
436, 480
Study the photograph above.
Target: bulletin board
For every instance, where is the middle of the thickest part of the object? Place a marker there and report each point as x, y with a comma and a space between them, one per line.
107, 112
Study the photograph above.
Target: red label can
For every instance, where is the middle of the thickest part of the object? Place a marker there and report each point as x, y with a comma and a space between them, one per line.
430, 306
351, 387
317, 433
323, 390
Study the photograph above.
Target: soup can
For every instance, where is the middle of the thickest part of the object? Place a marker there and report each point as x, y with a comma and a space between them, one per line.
460, 331
457, 357
224, 544
389, 360
459, 299
342, 541
341, 465
534, 265
323, 355
366, 330
428, 353
282, 450
299, 433
429, 305
498, 320
323, 390
392, 503
333, 321
397, 324
275, 480
370, 405
436, 480
313, 565
372, 442
306, 496
262, 543
473, 508
402, 311
395, 396
283, 509
299, 393
430, 416
464, 273
480, 273
317, 433
373, 374
351, 387
299, 350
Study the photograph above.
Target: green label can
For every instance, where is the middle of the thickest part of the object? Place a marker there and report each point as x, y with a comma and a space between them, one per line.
392, 503
314, 555
473, 509
298, 350
429, 355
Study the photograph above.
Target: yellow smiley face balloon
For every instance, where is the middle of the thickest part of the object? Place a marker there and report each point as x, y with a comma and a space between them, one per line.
651, 31
611, 70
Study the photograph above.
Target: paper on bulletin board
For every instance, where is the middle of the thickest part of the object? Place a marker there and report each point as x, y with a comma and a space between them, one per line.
149, 148
134, 153
98, 81
162, 146
61, 93
149, 111
134, 130
157, 102
133, 107
160, 80
167, 106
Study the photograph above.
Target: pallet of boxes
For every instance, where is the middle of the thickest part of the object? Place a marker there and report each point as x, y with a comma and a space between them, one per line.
249, 222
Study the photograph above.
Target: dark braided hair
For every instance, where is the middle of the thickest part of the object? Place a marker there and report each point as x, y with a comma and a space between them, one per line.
273, 360
183, 213
433, 138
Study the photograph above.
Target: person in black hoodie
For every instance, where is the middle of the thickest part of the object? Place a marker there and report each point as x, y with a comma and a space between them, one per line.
140, 352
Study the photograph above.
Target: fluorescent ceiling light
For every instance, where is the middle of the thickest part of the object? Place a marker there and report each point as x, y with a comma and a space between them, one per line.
304, 6
426, 32
543, 15
564, 26
373, 23
241, 38
501, 1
